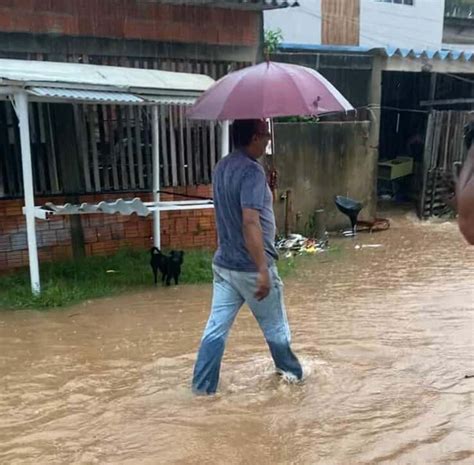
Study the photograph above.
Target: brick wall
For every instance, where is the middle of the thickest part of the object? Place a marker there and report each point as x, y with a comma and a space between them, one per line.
131, 19
103, 234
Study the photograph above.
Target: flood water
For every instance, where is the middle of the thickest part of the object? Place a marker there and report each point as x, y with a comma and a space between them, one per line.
385, 334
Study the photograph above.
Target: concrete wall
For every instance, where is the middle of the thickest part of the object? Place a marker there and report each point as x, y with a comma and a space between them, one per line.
381, 23
390, 24
301, 25
320, 161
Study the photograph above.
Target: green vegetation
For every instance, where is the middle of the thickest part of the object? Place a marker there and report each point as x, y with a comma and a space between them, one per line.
69, 282
272, 40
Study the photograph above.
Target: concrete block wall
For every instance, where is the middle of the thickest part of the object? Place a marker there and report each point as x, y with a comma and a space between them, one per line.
316, 162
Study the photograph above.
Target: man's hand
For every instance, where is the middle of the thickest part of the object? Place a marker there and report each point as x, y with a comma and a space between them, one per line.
263, 284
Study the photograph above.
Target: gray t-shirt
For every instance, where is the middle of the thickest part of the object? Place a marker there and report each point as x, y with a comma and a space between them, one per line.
239, 182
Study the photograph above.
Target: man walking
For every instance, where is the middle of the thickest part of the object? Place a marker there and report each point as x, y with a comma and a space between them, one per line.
244, 264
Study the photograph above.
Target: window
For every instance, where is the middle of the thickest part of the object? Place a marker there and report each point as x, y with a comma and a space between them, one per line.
401, 2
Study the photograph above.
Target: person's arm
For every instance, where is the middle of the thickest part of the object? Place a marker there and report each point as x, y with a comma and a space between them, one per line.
253, 236
252, 195
465, 198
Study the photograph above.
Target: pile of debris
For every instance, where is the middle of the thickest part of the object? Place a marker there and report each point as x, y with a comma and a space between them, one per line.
296, 244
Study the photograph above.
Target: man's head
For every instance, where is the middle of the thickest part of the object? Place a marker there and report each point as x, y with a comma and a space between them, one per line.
252, 135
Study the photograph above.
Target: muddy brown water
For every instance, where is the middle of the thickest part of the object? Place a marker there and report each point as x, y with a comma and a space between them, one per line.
385, 334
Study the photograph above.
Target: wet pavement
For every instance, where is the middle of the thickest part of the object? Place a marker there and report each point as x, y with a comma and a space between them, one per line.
385, 334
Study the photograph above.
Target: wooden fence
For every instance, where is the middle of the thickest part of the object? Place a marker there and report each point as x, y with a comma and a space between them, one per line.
444, 149
114, 145
114, 141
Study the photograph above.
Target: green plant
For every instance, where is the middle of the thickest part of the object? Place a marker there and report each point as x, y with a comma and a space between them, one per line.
272, 40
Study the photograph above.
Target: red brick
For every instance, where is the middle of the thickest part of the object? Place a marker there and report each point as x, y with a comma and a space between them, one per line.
3, 260
46, 238
56, 223
64, 235
117, 231
14, 258
104, 233
144, 20
90, 235
24, 5
131, 232
96, 220
8, 225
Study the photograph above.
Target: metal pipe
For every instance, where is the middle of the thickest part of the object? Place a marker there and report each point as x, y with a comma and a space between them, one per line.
8, 91
21, 108
156, 175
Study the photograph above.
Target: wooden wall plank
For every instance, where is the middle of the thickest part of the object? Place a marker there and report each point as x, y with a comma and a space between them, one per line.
92, 121
173, 159
340, 23
131, 159
104, 159
189, 153
83, 146
182, 149
138, 146
164, 156
116, 147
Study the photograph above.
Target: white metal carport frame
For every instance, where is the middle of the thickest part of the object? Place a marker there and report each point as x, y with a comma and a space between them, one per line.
23, 81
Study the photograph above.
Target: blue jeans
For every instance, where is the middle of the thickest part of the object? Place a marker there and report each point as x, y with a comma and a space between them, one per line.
231, 290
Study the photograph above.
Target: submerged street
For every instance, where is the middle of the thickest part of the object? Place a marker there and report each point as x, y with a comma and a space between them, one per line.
385, 335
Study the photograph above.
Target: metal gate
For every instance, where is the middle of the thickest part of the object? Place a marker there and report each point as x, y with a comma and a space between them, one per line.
444, 151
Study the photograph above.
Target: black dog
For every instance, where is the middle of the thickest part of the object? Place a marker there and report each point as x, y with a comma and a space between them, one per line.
175, 260
158, 262
168, 266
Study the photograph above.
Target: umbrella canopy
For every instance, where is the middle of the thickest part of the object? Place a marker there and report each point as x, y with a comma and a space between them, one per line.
269, 90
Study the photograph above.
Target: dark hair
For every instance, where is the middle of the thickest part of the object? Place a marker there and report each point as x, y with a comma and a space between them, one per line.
243, 130
469, 134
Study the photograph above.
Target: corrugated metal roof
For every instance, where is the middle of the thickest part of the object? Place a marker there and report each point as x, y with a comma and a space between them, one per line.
119, 206
123, 207
170, 101
387, 51
100, 77
239, 4
430, 54
86, 95
323, 48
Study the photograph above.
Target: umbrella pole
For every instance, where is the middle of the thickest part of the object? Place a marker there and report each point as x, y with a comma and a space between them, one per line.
224, 138
21, 109
156, 175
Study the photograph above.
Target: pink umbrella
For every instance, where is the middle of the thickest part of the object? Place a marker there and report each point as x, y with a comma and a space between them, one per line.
269, 90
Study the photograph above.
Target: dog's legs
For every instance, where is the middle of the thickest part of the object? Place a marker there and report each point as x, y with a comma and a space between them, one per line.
155, 275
